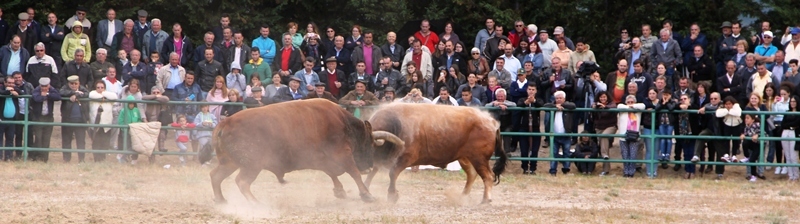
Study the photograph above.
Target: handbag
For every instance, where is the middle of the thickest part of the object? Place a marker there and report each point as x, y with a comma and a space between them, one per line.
631, 136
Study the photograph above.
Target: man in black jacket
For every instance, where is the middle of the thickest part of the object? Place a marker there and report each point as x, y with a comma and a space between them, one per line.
395, 52
11, 93
293, 63
207, 70
52, 36
25, 88
43, 100
730, 84
700, 66
74, 111
711, 127
529, 122
561, 126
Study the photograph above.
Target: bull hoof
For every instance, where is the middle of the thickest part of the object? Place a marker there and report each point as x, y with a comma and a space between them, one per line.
339, 193
393, 197
220, 201
486, 201
367, 197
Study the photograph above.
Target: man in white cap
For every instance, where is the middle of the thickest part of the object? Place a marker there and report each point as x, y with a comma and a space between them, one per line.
27, 35
766, 51
43, 100
74, 111
75, 40
558, 33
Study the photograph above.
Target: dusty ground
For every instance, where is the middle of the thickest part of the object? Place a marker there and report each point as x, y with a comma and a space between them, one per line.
114, 193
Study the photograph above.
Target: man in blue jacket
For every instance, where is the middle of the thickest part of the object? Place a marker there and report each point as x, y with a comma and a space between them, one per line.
265, 44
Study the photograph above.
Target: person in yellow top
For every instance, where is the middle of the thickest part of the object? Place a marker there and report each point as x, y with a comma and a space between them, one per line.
76, 40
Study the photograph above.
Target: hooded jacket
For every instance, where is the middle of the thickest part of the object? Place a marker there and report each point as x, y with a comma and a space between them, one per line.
129, 115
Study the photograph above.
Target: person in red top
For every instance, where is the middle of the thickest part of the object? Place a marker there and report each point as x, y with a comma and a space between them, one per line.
519, 31
288, 61
333, 77
616, 81
427, 37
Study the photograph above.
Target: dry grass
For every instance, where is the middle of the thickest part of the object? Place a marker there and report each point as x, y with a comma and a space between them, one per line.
113, 193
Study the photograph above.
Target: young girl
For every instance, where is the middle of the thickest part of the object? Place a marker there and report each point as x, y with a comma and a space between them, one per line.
182, 136
129, 115
780, 104
206, 120
217, 94
750, 146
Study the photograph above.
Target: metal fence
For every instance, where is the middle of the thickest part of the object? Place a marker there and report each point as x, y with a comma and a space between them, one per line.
763, 137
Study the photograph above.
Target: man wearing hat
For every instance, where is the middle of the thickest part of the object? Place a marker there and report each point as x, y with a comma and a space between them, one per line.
141, 26
766, 51
44, 97
558, 33
75, 40
80, 16
291, 93
334, 77
358, 98
793, 46
388, 95
74, 111
257, 99
319, 92
27, 35
547, 45
726, 48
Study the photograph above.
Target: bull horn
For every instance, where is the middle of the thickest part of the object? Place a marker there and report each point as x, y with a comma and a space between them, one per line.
382, 136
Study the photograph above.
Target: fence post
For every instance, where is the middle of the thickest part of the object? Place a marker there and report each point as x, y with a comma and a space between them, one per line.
25, 134
761, 157
651, 159
553, 151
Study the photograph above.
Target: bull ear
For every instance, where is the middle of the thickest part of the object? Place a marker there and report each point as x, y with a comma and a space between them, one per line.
367, 126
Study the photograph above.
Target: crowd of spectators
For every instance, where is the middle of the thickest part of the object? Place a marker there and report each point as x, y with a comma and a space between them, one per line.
516, 66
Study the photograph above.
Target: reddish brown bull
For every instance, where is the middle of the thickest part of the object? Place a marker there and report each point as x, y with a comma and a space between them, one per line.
308, 134
437, 135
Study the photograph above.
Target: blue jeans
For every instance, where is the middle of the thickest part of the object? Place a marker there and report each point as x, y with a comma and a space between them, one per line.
649, 154
563, 143
688, 153
7, 131
665, 144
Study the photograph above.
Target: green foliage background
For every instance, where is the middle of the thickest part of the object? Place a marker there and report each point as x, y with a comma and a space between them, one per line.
598, 21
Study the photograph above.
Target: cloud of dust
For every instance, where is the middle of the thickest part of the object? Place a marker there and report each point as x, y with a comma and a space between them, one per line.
454, 198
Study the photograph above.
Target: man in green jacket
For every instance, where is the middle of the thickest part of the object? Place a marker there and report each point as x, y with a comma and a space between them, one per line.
257, 66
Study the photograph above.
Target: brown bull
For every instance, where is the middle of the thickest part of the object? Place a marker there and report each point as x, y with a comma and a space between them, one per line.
437, 135
308, 134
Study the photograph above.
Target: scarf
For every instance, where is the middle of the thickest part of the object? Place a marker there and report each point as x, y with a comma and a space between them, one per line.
112, 80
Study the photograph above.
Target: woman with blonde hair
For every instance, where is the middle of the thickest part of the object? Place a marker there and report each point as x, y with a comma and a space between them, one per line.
217, 94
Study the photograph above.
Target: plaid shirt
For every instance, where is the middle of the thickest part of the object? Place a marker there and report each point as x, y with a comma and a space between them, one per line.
752, 129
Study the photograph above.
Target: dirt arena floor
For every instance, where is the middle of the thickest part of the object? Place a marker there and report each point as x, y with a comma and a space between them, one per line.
109, 192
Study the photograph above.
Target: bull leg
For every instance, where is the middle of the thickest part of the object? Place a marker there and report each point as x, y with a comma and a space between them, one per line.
363, 192
219, 174
482, 168
338, 189
371, 175
280, 177
471, 174
393, 174
244, 180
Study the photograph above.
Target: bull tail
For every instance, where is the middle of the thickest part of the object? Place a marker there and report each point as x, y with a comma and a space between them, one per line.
502, 160
205, 153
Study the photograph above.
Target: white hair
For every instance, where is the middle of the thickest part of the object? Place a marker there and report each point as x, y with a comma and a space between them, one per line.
154, 21
532, 27
101, 50
38, 45
630, 97
174, 54
128, 21
560, 93
500, 90
664, 31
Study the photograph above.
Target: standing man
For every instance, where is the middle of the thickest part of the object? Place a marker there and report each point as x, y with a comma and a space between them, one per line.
78, 68
153, 40
666, 51
10, 106
562, 123
124, 40
142, 26
52, 36
257, 66
171, 76
100, 67
27, 34
41, 64
25, 88
265, 45
80, 16
207, 71
106, 29
239, 53
342, 55
13, 58
393, 50
726, 48
179, 44
3, 27
208, 40
288, 60
484, 34
368, 53
74, 111
43, 100
426, 36
224, 22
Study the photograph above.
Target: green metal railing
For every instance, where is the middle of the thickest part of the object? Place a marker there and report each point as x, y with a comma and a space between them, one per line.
26, 123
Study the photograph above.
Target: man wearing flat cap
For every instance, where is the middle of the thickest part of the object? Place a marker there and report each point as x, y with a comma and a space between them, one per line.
27, 35
256, 99
74, 111
358, 98
142, 26
44, 97
334, 77
291, 93
726, 48
319, 92
388, 95
75, 40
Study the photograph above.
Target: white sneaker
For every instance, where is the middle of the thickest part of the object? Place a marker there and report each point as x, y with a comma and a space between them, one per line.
734, 159
726, 158
784, 170
695, 159
752, 178
777, 170
133, 162
768, 168
744, 160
